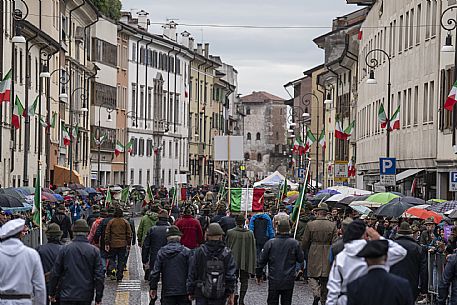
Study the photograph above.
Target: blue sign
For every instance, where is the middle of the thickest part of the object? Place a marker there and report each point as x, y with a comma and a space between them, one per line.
453, 177
301, 172
387, 166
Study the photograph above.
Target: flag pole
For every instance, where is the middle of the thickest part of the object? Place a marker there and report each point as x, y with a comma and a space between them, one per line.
305, 184
229, 171
41, 207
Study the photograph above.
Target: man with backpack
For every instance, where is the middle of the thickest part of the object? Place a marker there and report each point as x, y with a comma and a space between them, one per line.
118, 238
211, 279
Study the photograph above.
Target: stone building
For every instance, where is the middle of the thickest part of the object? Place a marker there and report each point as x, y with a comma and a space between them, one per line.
264, 134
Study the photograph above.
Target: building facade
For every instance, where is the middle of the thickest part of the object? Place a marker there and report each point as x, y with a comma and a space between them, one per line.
265, 149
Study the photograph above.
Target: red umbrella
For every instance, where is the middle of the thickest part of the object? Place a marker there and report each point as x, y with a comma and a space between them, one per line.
424, 214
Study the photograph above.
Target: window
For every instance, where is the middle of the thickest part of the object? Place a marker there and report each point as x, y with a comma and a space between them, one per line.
176, 150
409, 107
405, 107
257, 136
142, 102
249, 136
259, 157
133, 97
134, 51
434, 12
418, 24
104, 52
246, 156
400, 35
169, 176
248, 110
394, 30
141, 147
170, 150
416, 105
427, 20
425, 104
277, 136
406, 31
148, 176
163, 149
105, 95
411, 28
140, 177
431, 101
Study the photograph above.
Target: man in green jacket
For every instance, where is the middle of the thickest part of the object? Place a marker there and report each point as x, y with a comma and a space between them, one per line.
147, 222
242, 243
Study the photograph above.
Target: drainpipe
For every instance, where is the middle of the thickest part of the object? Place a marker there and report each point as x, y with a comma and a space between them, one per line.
146, 83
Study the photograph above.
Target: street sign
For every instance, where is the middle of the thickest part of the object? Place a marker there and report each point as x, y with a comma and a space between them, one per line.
388, 171
301, 173
340, 172
388, 166
388, 180
453, 181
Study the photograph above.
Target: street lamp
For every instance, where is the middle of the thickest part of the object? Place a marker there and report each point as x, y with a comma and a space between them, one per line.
373, 63
450, 25
126, 140
100, 141
307, 117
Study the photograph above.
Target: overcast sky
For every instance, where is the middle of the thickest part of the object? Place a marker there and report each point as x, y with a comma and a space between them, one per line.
266, 59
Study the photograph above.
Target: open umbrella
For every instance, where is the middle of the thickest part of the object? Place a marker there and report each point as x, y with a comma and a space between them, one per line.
408, 199
424, 214
76, 186
12, 192
62, 189
327, 191
7, 201
362, 210
443, 207
27, 190
381, 198
290, 200
337, 198
394, 209
90, 190
82, 192
350, 199
48, 197
47, 190
364, 203
58, 197
435, 201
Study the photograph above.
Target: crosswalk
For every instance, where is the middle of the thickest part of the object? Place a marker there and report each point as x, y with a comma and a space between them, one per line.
129, 285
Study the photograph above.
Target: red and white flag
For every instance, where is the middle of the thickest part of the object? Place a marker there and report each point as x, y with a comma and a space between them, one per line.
5, 87
450, 101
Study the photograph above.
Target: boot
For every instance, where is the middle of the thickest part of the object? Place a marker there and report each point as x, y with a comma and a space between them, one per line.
316, 300
235, 302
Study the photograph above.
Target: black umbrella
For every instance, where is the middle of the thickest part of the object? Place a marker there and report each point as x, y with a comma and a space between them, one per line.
393, 209
7, 201
408, 199
14, 193
350, 199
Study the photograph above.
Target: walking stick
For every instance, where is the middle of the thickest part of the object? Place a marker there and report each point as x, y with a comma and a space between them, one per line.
305, 186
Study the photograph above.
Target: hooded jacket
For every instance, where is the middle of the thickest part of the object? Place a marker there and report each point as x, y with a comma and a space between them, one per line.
210, 249
21, 272
147, 222
347, 267
262, 237
64, 223
155, 239
192, 234
172, 263
242, 243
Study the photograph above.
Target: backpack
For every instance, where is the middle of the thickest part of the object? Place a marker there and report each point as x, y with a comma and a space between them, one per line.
260, 230
213, 285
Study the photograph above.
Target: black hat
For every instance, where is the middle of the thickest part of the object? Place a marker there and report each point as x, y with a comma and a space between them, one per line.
173, 231
354, 231
111, 211
95, 208
374, 249
240, 219
103, 212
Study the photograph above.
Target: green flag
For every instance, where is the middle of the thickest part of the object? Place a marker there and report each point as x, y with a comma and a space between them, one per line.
299, 202
54, 119
149, 197
283, 192
36, 210
108, 198
125, 194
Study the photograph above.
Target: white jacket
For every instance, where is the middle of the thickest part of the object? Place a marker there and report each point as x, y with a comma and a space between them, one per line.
348, 267
21, 272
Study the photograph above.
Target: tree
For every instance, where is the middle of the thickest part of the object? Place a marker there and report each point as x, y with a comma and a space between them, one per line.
109, 8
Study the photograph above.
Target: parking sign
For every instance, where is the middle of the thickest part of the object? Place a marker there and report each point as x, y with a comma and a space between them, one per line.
453, 181
388, 166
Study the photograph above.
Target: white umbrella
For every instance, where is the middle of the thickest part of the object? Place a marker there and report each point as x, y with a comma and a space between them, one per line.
362, 210
367, 204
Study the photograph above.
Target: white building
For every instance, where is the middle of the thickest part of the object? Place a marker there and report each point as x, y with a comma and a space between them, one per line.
158, 103
409, 32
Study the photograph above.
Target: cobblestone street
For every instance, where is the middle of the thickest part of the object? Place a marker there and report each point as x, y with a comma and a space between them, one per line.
134, 290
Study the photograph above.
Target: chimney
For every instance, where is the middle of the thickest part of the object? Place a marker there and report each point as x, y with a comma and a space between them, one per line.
185, 39
199, 49
191, 43
207, 50
143, 20
169, 30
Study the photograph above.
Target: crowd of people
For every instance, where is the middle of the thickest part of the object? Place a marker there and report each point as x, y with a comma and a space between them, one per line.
202, 251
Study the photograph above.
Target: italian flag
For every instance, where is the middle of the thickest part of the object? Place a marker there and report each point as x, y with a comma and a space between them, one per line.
310, 139
108, 198
322, 139
382, 117
66, 136
5, 87
18, 111
128, 147
43, 122
395, 120
298, 148
450, 101
149, 196
339, 131
118, 149
36, 209
32, 109
348, 131
351, 169
246, 199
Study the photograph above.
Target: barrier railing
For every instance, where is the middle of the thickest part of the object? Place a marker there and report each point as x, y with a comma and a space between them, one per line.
32, 239
436, 264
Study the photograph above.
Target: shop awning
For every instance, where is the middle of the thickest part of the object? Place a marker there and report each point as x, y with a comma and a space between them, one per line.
408, 173
62, 176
